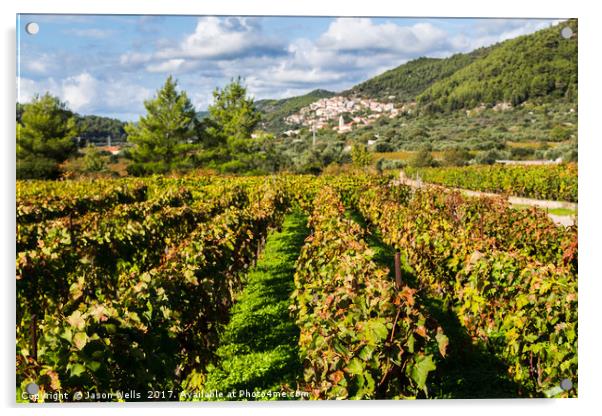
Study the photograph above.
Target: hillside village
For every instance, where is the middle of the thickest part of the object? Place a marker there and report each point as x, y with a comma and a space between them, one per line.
360, 111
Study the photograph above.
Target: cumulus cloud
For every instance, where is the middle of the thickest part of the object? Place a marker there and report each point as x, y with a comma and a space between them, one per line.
202, 100
222, 38
297, 75
213, 39
362, 34
490, 31
86, 94
171, 65
28, 88
79, 91
124, 96
349, 51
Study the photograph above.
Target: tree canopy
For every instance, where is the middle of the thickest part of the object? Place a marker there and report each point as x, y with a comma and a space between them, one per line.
232, 116
163, 139
45, 137
229, 144
406, 81
96, 128
539, 66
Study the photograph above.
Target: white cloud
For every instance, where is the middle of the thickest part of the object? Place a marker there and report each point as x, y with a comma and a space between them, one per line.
124, 95
352, 34
171, 65
91, 33
525, 28
285, 74
213, 39
79, 91
28, 88
39, 64
86, 94
36, 66
491, 31
134, 58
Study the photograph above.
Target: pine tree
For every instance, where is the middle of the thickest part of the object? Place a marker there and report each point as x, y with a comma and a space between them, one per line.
228, 143
164, 139
233, 115
45, 138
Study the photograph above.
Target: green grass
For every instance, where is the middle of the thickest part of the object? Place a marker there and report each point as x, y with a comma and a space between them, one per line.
554, 211
259, 346
405, 155
562, 211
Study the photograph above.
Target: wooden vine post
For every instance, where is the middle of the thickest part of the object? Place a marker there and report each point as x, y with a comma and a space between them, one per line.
34, 337
398, 269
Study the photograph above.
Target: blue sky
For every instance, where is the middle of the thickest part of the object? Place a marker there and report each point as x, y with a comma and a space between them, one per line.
108, 65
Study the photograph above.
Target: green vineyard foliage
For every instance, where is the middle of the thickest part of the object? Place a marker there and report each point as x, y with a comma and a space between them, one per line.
127, 283
550, 182
142, 307
511, 278
361, 338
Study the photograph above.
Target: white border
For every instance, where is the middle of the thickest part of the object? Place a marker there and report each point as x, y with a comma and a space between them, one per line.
590, 154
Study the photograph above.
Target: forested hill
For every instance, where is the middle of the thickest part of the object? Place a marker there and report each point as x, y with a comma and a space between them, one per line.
541, 66
407, 81
275, 111
97, 128
91, 128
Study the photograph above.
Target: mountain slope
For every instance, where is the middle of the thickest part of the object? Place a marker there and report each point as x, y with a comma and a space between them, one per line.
540, 66
407, 81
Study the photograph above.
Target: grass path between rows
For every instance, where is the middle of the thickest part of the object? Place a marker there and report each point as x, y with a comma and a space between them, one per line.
259, 347
469, 371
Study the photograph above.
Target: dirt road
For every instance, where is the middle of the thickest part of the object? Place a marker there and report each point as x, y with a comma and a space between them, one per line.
564, 220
